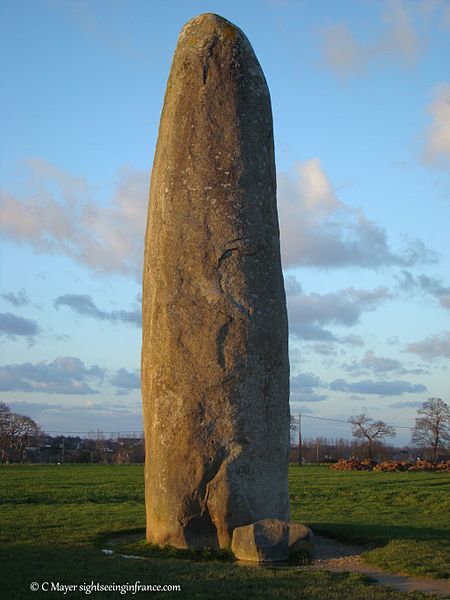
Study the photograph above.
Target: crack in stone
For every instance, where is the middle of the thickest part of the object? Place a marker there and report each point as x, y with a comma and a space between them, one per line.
241, 308
241, 239
224, 256
220, 341
207, 56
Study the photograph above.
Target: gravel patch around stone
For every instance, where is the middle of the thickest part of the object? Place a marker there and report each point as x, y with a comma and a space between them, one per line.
335, 556
332, 553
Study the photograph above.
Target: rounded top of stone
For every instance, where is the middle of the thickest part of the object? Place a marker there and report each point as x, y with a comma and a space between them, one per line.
208, 22
209, 19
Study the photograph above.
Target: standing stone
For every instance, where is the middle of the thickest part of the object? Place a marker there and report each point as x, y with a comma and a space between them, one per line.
215, 370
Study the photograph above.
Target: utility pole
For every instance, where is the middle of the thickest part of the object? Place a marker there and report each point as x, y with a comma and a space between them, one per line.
62, 451
300, 449
317, 450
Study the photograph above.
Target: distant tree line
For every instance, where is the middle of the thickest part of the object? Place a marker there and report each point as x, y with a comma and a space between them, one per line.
430, 439
22, 440
95, 448
330, 450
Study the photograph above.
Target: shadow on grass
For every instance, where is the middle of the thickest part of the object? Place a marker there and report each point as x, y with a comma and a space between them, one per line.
132, 542
202, 580
368, 533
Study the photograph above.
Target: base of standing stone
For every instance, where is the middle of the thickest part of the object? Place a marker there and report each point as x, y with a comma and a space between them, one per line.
271, 540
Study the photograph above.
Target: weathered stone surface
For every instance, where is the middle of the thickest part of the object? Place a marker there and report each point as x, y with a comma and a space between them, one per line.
215, 372
264, 541
301, 538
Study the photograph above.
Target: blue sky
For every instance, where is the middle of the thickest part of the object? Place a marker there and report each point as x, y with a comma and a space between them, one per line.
361, 105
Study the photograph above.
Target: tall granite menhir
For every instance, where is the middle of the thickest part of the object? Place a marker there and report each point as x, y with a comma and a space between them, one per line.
215, 370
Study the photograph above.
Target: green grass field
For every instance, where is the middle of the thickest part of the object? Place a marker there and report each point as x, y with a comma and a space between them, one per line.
407, 515
54, 520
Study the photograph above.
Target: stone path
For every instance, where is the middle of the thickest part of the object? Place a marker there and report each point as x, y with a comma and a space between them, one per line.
332, 555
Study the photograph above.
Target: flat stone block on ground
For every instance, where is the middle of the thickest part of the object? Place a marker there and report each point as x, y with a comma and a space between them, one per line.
263, 541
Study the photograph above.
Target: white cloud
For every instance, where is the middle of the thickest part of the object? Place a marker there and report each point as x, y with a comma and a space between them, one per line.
437, 143
89, 416
382, 388
309, 313
377, 364
59, 215
12, 325
434, 346
398, 41
84, 305
65, 375
342, 53
445, 23
406, 404
380, 365
423, 282
126, 381
318, 229
302, 388
19, 299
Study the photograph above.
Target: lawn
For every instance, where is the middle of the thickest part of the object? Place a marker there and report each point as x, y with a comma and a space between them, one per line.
54, 520
407, 515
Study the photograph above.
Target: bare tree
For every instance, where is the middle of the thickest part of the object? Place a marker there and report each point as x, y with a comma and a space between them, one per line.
4, 412
17, 433
4, 417
432, 428
365, 428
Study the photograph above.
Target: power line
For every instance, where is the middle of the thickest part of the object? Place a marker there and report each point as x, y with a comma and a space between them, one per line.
348, 422
304, 416
324, 419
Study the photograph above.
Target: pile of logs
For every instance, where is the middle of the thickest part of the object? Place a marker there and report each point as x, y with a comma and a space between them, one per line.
366, 464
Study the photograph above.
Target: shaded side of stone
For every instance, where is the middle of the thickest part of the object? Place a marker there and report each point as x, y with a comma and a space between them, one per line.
215, 372
301, 539
264, 541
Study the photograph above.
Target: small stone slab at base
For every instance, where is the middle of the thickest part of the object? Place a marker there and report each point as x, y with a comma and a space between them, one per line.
271, 540
264, 541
